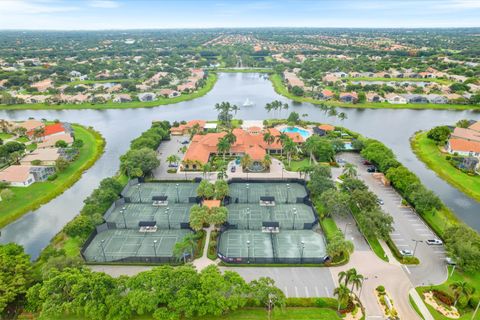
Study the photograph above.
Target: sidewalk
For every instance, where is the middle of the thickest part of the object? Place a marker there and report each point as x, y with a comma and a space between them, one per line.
420, 304
204, 261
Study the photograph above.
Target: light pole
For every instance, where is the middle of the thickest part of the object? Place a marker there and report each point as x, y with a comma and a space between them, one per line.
361, 288
155, 247
102, 243
248, 251
168, 217
248, 218
139, 194
288, 191
124, 220
178, 196
301, 253
416, 243
248, 187
294, 216
346, 226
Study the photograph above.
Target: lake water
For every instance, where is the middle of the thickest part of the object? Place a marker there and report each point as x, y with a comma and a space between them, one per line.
119, 127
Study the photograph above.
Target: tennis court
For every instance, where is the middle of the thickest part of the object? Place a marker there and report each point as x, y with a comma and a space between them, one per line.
283, 192
289, 216
115, 245
167, 217
176, 192
286, 246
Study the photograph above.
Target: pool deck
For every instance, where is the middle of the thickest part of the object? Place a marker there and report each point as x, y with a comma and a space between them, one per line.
284, 127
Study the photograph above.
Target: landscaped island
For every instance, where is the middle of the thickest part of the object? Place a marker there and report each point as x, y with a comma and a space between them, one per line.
50, 158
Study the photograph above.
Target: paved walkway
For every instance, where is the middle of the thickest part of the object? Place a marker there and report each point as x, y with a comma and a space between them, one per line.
420, 304
204, 261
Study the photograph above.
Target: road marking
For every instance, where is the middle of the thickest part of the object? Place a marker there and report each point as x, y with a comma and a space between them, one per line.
406, 269
401, 245
306, 291
326, 291
296, 291
317, 294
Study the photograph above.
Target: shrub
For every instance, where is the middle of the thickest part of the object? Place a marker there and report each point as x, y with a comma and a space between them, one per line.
443, 297
349, 308
301, 302
326, 303
52, 177
473, 302
380, 289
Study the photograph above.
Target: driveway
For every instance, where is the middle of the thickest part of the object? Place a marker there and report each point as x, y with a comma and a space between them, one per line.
408, 226
167, 148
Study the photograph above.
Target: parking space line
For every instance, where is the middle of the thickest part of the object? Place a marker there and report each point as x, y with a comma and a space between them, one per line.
317, 294
406, 268
286, 291
326, 291
401, 245
296, 291
306, 291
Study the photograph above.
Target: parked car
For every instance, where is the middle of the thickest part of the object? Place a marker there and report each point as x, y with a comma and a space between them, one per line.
434, 242
233, 169
450, 261
341, 161
380, 202
371, 169
406, 253
173, 165
185, 142
367, 163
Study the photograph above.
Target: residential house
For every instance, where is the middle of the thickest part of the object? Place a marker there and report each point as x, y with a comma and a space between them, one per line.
184, 129
48, 130
50, 141
475, 126
330, 79
122, 97
30, 125
47, 157
466, 134
374, 97
169, 93
41, 173
322, 130
147, 96
43, 85
17, 176
350, 97
463, 147
292, 80
325, 95
382, 74
436, 98
415, 98
395, 98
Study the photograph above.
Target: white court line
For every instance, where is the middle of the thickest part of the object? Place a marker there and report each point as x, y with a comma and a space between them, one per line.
306, 291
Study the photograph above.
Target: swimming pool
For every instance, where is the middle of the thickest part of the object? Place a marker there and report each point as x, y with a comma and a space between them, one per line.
304, 133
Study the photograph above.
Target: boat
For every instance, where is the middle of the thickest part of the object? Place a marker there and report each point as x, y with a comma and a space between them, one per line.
248, 103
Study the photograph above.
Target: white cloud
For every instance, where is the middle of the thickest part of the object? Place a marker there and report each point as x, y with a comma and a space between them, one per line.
108, 4
33, 7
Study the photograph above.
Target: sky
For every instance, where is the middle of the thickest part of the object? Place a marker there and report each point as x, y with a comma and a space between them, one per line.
159, 14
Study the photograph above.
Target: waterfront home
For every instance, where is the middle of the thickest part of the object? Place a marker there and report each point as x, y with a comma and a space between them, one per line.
292, 80
17, 176
187, 127
47, 157
437, 99
30, 126
123, 97
325, 95
350, 97
463, 147
466, 134
475, 126
50, 141
323, 129
147, 96
168, 93
415, 98
43, 85
374, 97
395, 98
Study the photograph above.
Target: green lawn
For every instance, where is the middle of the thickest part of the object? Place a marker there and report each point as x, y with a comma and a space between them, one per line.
329, 227
259, 314
296, 165
471, 278
210, 82
32, 197
282, 90
427, 151
5, 136
22, 139
415, 307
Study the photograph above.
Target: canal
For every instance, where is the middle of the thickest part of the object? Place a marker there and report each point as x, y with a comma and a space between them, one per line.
393, 127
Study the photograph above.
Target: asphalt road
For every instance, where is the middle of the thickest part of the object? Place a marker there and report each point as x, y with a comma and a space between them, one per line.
408, 227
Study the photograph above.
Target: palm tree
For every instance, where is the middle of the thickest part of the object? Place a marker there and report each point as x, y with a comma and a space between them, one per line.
356, 280
231, 138
246, 161
268, 107
344, 276
350, 170
342, 293
267, 161
281, 139
181, 249
222, 173
342, 116
207, 167
284, 106
269, 139
195, 129
290, 148
223, 146
235, 109
310, 146
173, 158
461, 288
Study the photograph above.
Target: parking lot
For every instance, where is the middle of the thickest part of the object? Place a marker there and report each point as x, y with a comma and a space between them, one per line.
408, 227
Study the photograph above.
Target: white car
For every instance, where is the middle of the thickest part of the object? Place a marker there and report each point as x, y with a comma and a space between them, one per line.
434, 242
406, 253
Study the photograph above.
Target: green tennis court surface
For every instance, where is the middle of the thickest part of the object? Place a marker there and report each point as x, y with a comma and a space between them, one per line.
251, 216
113, 245
170, 216
144, 192
287, 244
282, 191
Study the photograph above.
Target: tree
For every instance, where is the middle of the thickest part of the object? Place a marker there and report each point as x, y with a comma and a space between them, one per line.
364, 199
293, 118
343, 295
217, 216
78, 143
246, 161
350, 184
351, 277
463, 123
337, 245
461, 288
439, 134
267, 161
375, 223
182, 249
335, 202
297, 91
319, 184
290, 148
38, 132
268, 138
223, 146
350, 170
61, 144
463, 243
61, 164
173, 158
198, 217
264, 292
309, 146
144, 159
221, 189
206, 190
15, 276
207, 168
425, 200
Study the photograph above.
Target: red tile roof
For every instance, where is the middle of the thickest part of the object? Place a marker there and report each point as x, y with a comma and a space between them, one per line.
53, 128
326, 127
464, 145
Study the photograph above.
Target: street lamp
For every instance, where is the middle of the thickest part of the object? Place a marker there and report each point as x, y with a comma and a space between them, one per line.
155, 247
178, 196
346, 226
288, 191
124, 220
248, 187
139, 194
416, 243
301, 253
168, 217
248, 218
248, 251
294, 216
102, 243
361, 288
